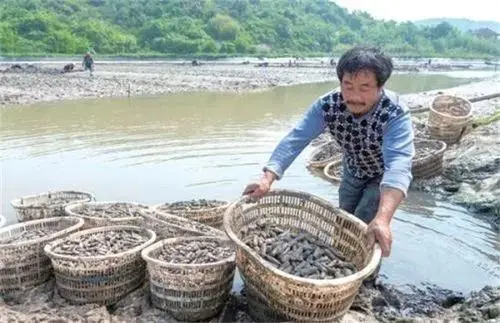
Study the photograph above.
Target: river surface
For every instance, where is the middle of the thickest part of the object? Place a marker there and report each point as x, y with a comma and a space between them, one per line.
207, 145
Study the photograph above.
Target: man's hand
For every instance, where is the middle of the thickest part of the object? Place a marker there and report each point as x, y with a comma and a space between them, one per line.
260, 188
379, 231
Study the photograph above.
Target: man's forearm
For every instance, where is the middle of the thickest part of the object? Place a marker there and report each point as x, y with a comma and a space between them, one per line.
390, 198
308, 128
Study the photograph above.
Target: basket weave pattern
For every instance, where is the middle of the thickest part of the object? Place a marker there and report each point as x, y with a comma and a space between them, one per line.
171, 226
427, 165
189, 292
42, 206
449, 118
291, 297
2, 221
99, 279
96, 221
324, 154
24, 264
210, 216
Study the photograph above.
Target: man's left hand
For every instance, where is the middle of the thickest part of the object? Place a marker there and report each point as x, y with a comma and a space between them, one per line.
379, 230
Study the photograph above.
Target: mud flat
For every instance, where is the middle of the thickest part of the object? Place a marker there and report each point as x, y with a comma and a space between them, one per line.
45, 82
36, 82
375, 303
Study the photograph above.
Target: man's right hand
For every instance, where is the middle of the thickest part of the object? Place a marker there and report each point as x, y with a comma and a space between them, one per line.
260, 188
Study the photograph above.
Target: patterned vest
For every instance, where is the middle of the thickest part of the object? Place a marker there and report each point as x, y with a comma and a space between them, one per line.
361, 138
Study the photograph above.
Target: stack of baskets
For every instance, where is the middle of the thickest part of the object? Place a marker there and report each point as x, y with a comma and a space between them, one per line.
47, 205
324, 154
2, 221
106, 213
273, 294
428, 160
23, 263
99, 276
450, 116
207, 212
190, 291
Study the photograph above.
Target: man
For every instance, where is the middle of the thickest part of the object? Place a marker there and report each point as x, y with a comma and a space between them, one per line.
376, 136
88, 63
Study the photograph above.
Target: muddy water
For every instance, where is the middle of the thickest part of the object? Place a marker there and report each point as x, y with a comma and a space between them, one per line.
154, 150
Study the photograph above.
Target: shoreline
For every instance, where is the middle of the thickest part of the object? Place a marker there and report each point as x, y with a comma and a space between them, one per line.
44, 82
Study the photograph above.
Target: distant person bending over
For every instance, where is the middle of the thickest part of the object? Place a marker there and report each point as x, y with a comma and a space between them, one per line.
375, 132
88, 63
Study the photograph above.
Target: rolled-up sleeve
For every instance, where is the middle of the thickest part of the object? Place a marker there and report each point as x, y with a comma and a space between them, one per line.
309, 127
398, 152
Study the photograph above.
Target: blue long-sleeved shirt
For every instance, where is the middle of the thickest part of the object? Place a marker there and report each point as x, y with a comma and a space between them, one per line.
380, 142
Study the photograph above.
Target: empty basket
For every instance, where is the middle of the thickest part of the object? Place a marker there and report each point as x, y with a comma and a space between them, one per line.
170, 226
190, 291
102, 279
47, 205
274, 294
23, 264
97, 214
324, 154
209, 212
449, 118
428, 160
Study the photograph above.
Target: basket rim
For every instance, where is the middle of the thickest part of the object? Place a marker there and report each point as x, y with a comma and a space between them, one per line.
69, 209
365, 272
431, 107
156, 207
147, 251
330, 165
318, 149
16, 201
150, 215
79, 223
441, 150
51, 254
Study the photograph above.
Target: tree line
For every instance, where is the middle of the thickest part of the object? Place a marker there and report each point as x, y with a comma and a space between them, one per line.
218, 27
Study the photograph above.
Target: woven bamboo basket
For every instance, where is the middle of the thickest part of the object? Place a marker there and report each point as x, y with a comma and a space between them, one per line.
47, 205
114, 217
2, 221
324, 154
189, 292
333, 171
23, 264
211, 216
428, 160
102, 279
449, 118
273, 294
170, 226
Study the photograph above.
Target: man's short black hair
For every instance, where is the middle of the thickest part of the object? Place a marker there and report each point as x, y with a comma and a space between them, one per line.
365, 58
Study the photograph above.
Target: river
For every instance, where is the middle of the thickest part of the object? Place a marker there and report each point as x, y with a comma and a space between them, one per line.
209, 145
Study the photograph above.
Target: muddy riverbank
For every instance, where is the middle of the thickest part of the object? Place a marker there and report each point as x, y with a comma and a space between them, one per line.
375, 303
471, 175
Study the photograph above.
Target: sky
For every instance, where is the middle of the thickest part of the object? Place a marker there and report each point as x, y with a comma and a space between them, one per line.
402, 10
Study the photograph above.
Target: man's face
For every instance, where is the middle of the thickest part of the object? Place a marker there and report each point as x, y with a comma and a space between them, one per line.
360, 91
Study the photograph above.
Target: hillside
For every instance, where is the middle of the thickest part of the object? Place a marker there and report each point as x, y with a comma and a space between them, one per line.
461, 24
216, 27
